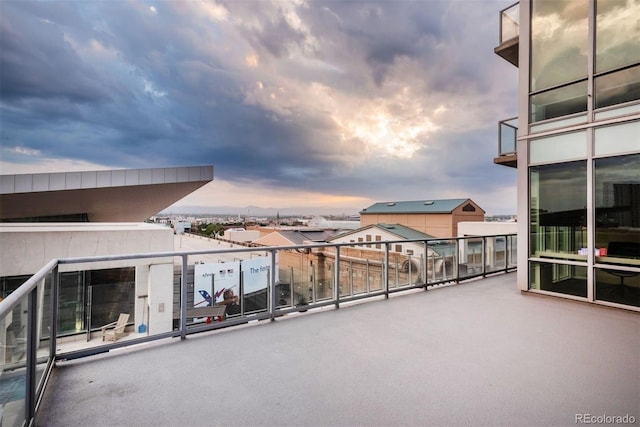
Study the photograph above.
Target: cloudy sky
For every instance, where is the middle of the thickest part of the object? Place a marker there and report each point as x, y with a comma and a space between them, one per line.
328, 105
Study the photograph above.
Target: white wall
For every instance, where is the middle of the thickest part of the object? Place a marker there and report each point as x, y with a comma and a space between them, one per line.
25, 248
242, 236
160, 300
472, 228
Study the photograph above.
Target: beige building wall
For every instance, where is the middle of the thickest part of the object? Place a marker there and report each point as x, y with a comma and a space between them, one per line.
439, 225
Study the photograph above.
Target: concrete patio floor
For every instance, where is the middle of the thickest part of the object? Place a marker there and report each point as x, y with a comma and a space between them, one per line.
478, 353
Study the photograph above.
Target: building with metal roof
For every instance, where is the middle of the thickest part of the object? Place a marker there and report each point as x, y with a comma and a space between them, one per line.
437, 218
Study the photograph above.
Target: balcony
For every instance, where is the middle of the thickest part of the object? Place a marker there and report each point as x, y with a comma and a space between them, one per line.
470, 350
509, 34
507, 143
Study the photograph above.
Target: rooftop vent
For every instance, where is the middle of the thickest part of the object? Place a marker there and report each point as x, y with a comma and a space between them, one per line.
428, 202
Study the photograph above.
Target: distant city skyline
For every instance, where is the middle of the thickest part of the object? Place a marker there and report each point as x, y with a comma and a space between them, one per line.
260, 212
319, 105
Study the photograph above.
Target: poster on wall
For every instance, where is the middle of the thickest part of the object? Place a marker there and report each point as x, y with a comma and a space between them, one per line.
210, 281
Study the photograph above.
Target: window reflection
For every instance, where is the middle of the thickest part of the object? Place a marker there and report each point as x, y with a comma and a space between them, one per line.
621, 287
617, 213
559, 42
617, 34
616, 88
559, 102
559, 278
558, 210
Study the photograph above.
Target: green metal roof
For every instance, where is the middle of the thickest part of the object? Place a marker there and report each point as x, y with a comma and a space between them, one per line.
417, 206
404, 232
399, 230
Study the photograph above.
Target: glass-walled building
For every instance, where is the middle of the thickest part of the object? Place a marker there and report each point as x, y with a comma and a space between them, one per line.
578, 148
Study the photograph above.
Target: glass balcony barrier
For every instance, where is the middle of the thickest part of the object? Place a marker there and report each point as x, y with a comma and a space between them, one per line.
507, 139
27, 352
510, 23
95, 304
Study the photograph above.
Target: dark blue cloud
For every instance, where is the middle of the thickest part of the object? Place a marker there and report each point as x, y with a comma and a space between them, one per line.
121, 85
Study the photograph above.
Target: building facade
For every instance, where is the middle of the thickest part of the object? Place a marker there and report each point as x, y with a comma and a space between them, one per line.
93, 213
437, 218
576, 147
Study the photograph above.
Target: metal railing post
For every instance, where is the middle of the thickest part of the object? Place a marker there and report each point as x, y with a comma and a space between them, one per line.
183, 298
240, 291
272, 310
55, 295
314, 291
386, 270
351, 278
425, 267
336, 278
484, 257
397, 281
507, 253
456, 261
367, 282
32, 347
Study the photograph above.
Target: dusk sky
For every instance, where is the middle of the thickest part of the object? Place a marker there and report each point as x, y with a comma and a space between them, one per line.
322, 105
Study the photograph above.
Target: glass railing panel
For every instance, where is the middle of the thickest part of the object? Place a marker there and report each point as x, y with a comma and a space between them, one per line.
321, 263
495, 255
512, 242
507, 143
345, 282
13, 375
296, 276
361, 269
510, 23
44, 312
405, 270
441, 261
470, 257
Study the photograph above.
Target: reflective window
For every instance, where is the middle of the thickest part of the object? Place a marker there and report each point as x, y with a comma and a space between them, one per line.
621, 287
618, 87
559, 102
558, 206
617, 34
94, 297
559, 42
617, 210
560, 278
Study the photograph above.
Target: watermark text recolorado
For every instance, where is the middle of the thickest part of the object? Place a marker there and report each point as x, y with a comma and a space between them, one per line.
604, 419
